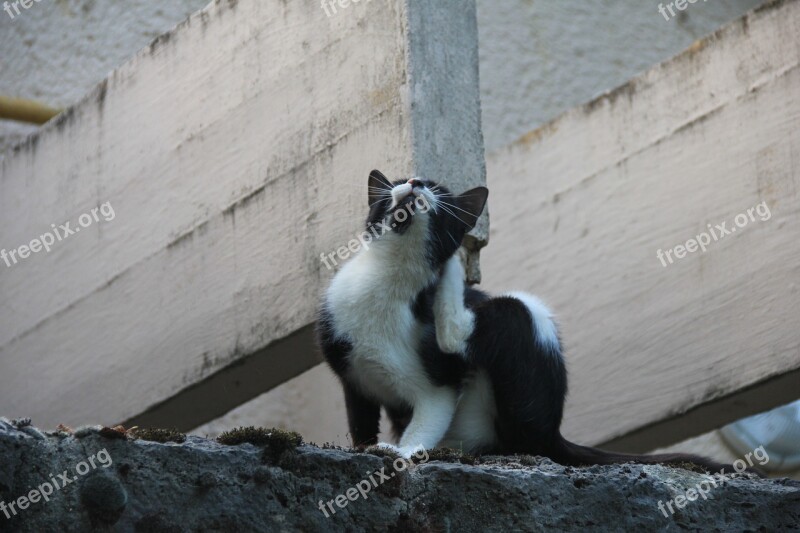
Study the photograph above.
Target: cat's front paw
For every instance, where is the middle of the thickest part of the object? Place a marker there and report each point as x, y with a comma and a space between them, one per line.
452, 334
407, 452
388, 447
384, 449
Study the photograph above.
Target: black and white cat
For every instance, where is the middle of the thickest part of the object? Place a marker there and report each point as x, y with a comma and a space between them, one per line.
452, 366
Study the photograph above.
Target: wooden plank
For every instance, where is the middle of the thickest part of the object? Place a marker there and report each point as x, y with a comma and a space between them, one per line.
581, 206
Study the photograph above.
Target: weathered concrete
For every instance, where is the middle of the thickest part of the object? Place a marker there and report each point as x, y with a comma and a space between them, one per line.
234, 152
201, 485
56, 52
658, 354
539, 59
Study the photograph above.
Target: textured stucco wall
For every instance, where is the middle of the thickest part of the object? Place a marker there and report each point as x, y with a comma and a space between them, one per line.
57, 50
659, 354
234, 150
542, 57
538, 58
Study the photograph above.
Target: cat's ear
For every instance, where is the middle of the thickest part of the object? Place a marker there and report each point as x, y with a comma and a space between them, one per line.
470, 205
378, 187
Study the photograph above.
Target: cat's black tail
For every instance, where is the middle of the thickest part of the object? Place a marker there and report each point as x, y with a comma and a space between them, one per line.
568, 453
529, 383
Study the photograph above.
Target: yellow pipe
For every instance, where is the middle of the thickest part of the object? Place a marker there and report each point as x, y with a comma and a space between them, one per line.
25, 110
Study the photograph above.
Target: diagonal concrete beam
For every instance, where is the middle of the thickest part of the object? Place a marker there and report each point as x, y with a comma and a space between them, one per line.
661, 353
233, 151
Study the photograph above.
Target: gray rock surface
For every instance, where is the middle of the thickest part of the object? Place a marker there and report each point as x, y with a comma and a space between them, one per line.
202, 485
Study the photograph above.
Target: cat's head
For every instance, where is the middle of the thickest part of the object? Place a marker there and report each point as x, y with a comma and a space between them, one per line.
422, 214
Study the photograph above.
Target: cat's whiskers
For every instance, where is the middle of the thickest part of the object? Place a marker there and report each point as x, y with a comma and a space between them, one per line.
443, 204
456, 207
377, 202
439, 239
452, 239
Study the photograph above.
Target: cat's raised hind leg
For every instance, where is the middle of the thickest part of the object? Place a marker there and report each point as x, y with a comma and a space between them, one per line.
454, 322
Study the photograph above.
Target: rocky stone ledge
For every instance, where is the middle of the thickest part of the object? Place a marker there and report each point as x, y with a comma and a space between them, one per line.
121, 482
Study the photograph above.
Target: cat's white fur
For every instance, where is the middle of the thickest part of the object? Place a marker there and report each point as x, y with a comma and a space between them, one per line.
454, 322
400, 192
472, 427
546, 329
381, 282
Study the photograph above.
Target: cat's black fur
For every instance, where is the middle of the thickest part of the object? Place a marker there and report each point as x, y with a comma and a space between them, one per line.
529, 382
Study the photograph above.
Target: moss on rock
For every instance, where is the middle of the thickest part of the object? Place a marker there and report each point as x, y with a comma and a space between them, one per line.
158, 435
274, 441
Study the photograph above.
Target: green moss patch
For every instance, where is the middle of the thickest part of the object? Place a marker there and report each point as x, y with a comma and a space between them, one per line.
275, 441
158, 435
449, 455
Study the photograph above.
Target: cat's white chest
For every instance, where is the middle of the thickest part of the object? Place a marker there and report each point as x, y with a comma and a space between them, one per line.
384, 334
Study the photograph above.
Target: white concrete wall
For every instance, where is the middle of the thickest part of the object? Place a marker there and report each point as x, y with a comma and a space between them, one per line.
542, 57
538, 59
234, 151
56, 51
655, 352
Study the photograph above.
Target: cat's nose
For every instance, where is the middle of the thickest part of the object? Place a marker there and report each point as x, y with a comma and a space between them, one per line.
414, 182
